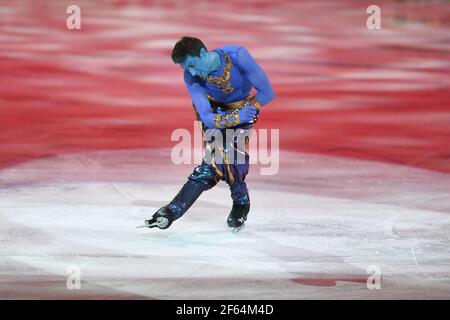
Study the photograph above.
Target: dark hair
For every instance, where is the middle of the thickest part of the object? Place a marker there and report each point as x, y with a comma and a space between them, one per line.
186, 46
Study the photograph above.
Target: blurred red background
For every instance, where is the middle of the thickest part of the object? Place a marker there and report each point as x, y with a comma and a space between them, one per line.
341, 89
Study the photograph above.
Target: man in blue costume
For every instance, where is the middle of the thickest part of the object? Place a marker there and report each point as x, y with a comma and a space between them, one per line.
220, 83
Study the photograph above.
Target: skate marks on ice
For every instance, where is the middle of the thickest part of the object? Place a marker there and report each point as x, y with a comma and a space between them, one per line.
309, 237
269, 258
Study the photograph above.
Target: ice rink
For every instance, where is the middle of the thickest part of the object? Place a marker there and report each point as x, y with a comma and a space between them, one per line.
316, 231
363, 187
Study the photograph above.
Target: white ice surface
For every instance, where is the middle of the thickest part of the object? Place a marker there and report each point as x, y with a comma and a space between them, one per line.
313, 231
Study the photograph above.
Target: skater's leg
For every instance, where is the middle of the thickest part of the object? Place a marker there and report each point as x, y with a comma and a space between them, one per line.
201, 179
238, 186
241, 199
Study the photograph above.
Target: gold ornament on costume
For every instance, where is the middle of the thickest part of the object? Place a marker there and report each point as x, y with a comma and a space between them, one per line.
227, 120
223, 82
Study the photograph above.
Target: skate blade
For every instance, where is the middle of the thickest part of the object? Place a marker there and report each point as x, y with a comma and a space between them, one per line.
237, 229
159, 223
148, 225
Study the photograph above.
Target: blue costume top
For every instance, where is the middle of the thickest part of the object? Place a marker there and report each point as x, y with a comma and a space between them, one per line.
232, 81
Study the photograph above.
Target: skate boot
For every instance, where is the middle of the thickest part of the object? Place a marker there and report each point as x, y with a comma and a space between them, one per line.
238, 216
162, 219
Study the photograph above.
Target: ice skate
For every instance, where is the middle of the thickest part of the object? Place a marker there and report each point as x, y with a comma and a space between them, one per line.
238, 216
162, 219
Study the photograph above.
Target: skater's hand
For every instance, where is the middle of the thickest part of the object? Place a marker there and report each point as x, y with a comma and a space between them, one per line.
248, 113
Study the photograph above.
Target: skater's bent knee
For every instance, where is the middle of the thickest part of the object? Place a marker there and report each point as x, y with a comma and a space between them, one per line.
205, 176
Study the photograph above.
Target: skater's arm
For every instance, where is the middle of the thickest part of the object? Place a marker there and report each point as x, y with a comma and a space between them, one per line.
200, 100
210, 118
257, 77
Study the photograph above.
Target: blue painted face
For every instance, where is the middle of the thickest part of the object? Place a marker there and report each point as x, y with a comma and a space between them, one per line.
197, 66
